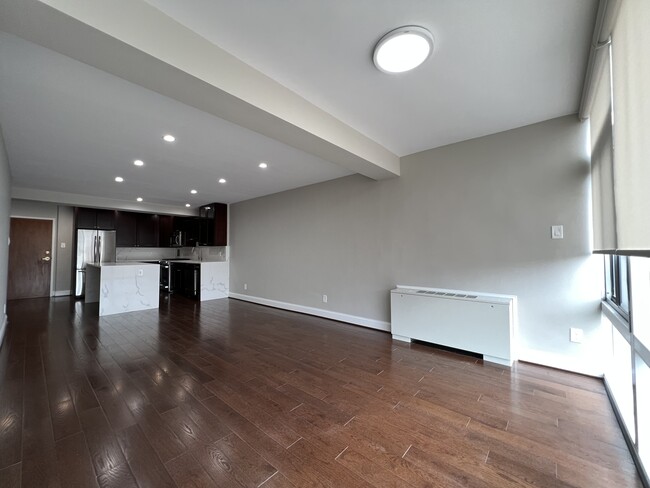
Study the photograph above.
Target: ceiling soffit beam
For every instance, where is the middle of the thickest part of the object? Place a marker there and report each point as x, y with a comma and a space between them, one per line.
78, 200
137, 42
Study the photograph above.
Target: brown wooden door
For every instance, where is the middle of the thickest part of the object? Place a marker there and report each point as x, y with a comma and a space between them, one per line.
30, 258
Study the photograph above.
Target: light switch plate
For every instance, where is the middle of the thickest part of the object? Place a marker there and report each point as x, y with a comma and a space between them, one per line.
557, 232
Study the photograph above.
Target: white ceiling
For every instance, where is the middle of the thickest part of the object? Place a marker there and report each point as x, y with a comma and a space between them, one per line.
71, 128
496, 65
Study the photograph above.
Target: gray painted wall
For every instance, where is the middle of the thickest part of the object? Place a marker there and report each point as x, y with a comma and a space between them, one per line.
64, 234
5, 203
471, 216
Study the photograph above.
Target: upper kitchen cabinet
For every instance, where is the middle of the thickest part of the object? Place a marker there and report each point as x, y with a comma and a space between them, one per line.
93, 218
136, 229
146, 230
126, 224
215, 226
165, 230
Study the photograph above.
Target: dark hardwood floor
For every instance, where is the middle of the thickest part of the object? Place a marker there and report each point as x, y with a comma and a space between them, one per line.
232, 394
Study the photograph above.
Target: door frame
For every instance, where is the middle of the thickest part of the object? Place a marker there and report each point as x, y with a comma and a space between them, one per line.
53, 248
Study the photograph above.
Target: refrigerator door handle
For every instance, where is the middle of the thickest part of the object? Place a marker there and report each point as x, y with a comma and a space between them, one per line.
99, 249
94, 249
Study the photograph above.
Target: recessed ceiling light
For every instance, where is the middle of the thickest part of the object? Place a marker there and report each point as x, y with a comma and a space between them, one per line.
263, 165
193, 192
119, 179
138, 162
187, 205
403, 49
222, 180
169, 138
139, 199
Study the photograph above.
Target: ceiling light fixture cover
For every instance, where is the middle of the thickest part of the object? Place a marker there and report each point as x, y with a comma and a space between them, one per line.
139, 199
221, 180
119, 179
403, 49
263, 165
138, 162
169, 138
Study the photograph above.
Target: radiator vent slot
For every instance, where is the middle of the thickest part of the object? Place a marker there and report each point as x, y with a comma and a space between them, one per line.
443, 294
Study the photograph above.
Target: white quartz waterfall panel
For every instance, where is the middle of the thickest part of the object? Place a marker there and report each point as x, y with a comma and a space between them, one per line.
128, 288
215, 277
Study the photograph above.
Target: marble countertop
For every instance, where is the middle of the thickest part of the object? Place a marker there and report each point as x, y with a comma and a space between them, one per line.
121, 263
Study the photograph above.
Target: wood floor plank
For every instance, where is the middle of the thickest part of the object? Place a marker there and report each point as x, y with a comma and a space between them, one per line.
144, 463
187, 472
10, 476
75, 466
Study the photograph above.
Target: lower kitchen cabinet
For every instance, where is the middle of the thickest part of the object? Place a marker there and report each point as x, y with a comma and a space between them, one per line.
186, 279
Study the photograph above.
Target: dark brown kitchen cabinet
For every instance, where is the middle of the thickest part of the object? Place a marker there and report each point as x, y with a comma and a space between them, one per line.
214, 226
136, 229
94, 218
126, 226
191, 229
186, 279
146, 230
165, 230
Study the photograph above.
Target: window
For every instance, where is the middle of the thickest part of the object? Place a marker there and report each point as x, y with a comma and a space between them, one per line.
616, 284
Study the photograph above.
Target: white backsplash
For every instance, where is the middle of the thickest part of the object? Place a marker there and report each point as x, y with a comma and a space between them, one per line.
206, 253
202, 253
145, 253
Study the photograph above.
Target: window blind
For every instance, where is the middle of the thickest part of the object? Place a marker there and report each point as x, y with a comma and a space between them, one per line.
631, 133
602, 176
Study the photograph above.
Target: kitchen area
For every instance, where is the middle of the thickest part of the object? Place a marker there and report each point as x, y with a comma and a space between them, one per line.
126, 261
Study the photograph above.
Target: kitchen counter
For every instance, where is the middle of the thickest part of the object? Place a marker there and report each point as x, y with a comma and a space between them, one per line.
123, 287
215, 277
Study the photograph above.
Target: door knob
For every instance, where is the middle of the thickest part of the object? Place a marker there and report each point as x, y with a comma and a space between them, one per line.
46, 258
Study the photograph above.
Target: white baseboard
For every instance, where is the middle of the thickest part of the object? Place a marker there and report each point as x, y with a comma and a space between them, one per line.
558, 361
319, 312
3, 328
62, 293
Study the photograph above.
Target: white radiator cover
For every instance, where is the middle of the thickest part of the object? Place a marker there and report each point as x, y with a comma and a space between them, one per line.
482, 323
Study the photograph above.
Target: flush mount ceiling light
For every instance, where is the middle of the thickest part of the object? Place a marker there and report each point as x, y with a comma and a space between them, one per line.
263, 165
119, 179
187, 205
193, 192
138, 162
139, 199
403, 49
169, 138
222, 180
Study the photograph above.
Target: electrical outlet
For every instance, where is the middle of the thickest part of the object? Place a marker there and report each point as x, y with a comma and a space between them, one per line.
63, 245
324, 298
557, 232
576, 335
245, 286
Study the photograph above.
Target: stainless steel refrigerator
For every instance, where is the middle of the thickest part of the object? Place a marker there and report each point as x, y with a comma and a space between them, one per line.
93, 246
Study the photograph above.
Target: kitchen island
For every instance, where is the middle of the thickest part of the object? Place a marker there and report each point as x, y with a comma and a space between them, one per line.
122, 287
